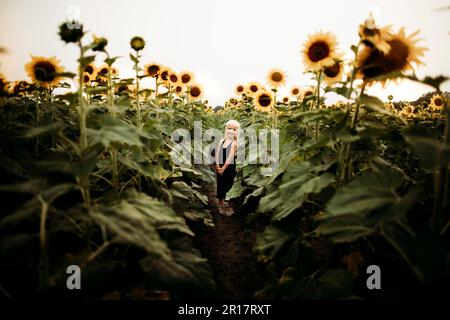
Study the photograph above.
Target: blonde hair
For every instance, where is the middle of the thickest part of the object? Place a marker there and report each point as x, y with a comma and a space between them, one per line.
232, 122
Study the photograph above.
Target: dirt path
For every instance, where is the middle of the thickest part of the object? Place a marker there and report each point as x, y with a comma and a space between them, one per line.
229, 249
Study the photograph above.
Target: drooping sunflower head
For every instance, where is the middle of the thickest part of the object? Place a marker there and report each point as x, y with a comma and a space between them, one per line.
375, 37
436, 103
403, 54
263, 101
137, 43
152, 69
319, 51
239, 89
295, 91
99, 43
195, 92
253, 88
186, 77
276, 78
71, 31
333, 73
44, 71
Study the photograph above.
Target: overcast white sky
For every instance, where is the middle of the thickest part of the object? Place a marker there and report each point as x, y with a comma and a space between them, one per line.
222, 42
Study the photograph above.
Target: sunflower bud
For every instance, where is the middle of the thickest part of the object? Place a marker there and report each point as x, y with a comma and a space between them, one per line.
99, 44
137, 43
71, 31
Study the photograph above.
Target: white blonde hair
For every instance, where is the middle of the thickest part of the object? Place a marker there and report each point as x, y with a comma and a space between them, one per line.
232, 122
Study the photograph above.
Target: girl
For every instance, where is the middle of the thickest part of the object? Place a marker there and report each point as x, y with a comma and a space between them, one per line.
225, 156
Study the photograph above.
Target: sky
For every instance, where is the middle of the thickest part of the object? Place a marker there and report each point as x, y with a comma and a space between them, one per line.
223, 43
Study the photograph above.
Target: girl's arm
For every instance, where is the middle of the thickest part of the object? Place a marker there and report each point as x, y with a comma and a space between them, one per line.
217, 153
231, 155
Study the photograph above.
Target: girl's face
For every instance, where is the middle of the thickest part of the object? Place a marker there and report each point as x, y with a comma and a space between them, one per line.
231, 131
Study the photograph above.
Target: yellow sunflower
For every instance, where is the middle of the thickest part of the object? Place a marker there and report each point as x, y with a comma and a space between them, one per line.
91, 69
319, 51
263, 101
164, 75
375, 37
404, 53
152, 69
87, 78
407, 111
186, 77
178, 89
333, 73
102, 72
285, 100
195, 92
436, 103
253, 88
174, 79
295, 91
44, 71
306, 92
17, 87
276, 78
240, 89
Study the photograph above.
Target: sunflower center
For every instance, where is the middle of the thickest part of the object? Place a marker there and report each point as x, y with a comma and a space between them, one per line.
86, 78
178, 89
89, 69
195, 91
185, 78
332, 71
173, 78
308, 93
153, 70
318, 51
438, 102
295, 91
165, 75
104, 71
253, 88
277, 76
264, 100
44, 71
240, 88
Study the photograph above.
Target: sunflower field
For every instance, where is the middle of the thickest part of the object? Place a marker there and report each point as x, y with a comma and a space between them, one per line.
87, 178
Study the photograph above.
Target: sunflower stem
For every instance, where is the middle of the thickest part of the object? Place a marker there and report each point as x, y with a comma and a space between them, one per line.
319, 75
138, 106
440, 200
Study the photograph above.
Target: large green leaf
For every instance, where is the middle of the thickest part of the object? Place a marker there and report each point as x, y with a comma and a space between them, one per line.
115, 131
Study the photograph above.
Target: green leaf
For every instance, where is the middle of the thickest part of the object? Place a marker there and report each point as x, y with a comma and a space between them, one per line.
115, 131
431, 151
110, 61
133, 58
49, 129
274, 240
86, 60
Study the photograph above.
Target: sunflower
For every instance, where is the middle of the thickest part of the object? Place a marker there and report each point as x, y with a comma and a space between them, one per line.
319, 51
178, 89
295, 91
137, 43
152, 69
263, 101
102, 72
186, 77
87, 78
333, 73
285, 100
373, 63
195, 92
276, 78
253, 88
17, 87
91, 69
44, 71
436, 103
164, 75
3, 84
240, 89
174, 79
306, 92
407, 111
375, 37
